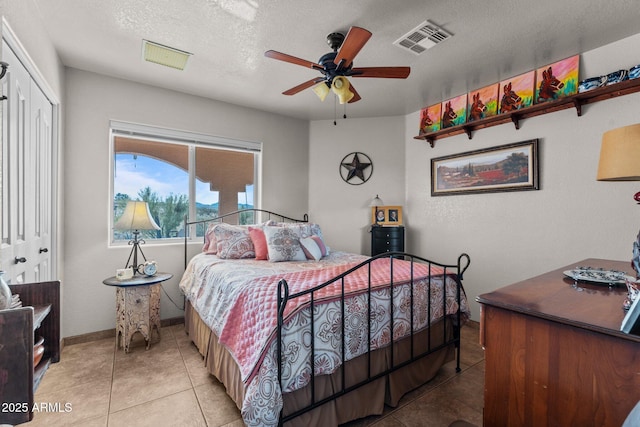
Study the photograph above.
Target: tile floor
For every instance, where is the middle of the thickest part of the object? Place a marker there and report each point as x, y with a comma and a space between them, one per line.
168, 385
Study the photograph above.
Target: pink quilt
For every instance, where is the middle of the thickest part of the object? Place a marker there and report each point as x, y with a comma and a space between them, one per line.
254, 312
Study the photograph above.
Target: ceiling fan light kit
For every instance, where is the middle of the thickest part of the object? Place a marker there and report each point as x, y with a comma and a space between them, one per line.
340, 86
322, 90
337, 65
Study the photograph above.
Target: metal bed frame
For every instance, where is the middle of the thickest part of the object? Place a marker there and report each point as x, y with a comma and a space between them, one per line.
454, 271
264, 215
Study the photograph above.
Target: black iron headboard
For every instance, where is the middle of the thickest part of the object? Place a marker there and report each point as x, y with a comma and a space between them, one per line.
234, 217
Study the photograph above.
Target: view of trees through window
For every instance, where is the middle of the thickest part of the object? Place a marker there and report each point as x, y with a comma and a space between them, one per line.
158, 173
168, 212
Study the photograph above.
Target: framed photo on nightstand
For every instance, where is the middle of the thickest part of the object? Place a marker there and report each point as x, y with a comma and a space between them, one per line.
386, 215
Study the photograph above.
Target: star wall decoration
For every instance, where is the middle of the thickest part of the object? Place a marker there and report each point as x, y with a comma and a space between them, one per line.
356, 165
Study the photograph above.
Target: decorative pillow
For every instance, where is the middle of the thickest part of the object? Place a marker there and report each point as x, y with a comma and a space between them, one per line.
259, 242
283, 244
209, 246
233, 241
313, 247
306, 228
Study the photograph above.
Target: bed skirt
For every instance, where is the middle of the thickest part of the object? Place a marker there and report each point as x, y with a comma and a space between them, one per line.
366, 400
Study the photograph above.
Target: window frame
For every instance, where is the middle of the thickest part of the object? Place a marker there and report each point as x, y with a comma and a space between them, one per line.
191, 140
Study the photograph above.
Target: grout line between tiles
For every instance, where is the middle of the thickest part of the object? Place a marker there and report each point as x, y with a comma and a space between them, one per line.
193, 386
113, 374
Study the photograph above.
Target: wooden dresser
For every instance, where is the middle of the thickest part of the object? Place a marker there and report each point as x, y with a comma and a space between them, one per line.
554, 352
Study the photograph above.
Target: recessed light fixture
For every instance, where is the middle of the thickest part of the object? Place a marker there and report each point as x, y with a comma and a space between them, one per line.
164, 55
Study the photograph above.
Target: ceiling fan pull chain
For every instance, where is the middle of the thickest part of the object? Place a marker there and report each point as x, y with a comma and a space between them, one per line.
344, 116
335, 110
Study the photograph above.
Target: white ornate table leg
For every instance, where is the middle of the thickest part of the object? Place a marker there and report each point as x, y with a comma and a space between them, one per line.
154, 311
120, 318
138, 310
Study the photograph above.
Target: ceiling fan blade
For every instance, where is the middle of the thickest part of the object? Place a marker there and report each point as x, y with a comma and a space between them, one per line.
356, 95
353, 42
303, 86
292, 59
381, 72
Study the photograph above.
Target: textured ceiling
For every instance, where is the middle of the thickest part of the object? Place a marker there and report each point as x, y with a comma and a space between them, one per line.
492, 40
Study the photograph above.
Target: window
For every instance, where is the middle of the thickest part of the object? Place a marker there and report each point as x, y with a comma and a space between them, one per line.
179, 173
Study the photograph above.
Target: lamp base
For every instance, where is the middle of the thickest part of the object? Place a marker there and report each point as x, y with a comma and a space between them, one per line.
135, 242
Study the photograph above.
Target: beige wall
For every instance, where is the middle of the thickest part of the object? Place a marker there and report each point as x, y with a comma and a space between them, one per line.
93, 100
342, 209
513, 236
509, 236
24, 19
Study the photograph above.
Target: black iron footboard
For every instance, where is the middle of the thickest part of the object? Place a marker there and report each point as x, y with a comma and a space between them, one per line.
417, 351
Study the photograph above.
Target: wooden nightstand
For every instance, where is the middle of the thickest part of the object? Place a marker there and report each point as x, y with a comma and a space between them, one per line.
387, 239
137, 307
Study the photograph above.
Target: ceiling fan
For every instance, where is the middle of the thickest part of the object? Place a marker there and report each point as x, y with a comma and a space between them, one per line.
336, 66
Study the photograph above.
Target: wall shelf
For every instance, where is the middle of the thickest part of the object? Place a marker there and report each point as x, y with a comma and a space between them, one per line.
574, 101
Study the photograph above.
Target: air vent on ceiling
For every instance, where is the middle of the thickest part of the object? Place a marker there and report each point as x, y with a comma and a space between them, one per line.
164, 55
423, 37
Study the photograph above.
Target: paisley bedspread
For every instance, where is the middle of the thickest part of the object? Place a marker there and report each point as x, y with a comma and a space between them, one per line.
237, 300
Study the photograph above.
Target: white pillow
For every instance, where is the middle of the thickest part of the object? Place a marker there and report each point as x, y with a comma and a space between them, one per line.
283, 244
233, 241
313, 247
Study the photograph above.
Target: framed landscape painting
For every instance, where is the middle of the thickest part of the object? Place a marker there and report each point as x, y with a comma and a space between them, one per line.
557, 80
511, 167
430, 118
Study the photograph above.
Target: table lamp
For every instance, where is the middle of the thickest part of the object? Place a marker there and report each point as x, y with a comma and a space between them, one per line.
375, 202
136, 217
620, 161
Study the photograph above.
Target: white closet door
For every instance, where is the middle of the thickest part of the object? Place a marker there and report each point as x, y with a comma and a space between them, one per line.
26, 176
39, 242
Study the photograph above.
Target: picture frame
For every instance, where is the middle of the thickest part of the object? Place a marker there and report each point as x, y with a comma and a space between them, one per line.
386, 215
454, 111
430, 118
517, 92
557, 80
510, 167
482, 103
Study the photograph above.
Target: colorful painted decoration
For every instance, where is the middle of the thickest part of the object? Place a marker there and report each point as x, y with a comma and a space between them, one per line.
430, 119
482, 103
557, 80
454, 111
517, 92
